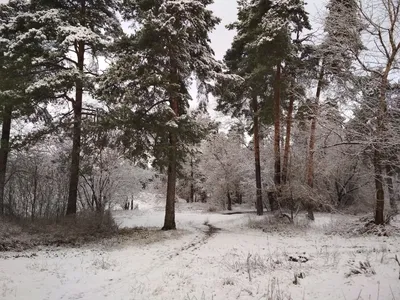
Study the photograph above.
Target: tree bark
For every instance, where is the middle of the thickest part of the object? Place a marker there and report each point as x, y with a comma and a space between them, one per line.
277, 138
169, 221
76, 135
4, 151
286, 154
378, 152
238, 197
35, 186
380, 196
256, 133
311, 147
10, 201
277, 128
191, 198
228, 194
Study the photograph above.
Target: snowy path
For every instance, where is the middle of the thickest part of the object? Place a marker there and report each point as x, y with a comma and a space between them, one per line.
234, 263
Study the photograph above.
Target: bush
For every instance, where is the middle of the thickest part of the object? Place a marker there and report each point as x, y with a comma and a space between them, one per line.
212, 209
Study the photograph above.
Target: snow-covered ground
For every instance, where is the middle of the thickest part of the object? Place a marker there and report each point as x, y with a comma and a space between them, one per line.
233, 263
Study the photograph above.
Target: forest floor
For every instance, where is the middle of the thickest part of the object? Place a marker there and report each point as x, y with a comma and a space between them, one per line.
210, 256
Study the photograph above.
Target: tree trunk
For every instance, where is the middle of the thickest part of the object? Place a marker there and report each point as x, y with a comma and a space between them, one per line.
238, 196
35, 186
381, 129
380, 196
191, 198
389, 181
10, 201
76, 138
228, 194
277, 138
286, 154
272, 198
256, 133
169, 221
311, 147
4, 151
277, 127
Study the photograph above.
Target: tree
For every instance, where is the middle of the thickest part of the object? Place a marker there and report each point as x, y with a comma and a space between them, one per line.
262, 27
226, 162
334, 61
381, 20
80, 32
21, 52
37, 182
147, 85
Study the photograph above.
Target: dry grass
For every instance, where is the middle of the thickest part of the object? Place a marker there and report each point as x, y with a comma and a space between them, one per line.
272, 223
19, 235
275, 292
361, 268
361, 227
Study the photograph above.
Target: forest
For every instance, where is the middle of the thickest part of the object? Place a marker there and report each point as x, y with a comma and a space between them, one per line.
86, 105
112, 110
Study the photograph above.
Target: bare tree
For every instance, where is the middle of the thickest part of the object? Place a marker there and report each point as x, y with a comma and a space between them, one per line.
382, 19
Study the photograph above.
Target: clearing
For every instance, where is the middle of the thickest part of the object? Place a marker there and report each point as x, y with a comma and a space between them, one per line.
211, 256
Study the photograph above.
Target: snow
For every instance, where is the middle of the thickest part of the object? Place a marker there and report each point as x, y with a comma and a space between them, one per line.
189, 264
172, 124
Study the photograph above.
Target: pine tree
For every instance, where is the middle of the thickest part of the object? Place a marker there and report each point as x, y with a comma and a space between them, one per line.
22, 50
147, 85
81, 31
7, 12
261, 46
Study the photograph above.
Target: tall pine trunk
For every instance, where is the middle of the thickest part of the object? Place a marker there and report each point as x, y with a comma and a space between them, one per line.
256, 133
277, 133
311, 147
76, 134
286, 154
4, 151
169, 220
